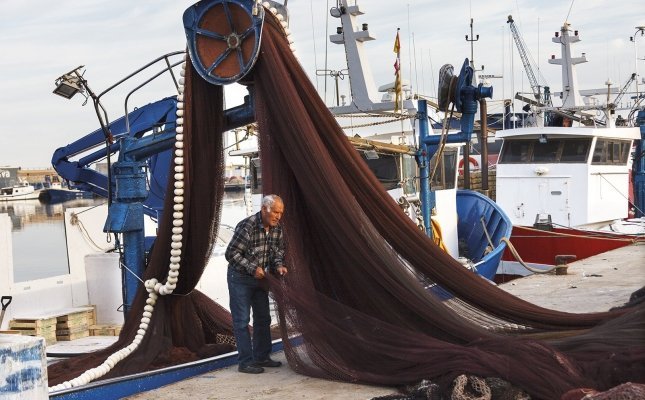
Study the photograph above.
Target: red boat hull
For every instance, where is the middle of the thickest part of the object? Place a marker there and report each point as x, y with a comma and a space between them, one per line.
539, 246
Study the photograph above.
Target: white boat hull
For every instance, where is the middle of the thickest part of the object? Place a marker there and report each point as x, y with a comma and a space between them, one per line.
26, 196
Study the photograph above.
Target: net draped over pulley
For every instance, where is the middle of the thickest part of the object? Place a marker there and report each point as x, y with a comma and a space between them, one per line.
354, 305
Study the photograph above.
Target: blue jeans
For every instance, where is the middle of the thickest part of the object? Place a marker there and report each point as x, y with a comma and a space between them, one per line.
245, 293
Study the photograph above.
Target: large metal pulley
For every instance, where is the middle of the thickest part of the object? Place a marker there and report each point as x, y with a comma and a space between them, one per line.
224, 38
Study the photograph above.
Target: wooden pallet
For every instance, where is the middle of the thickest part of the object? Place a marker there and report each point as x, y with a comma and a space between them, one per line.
43, 328
105, 330
65, 324
34, 327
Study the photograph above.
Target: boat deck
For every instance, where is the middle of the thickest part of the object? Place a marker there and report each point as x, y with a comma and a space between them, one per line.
594, 284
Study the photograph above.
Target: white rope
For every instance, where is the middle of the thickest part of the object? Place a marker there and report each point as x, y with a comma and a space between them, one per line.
75, 221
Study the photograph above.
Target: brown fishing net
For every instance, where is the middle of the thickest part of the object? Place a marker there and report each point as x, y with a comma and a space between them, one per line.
355, 305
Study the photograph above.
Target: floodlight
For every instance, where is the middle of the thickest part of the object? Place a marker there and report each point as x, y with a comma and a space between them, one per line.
69, 84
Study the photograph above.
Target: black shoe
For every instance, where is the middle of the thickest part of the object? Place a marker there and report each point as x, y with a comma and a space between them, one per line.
250, 369
267, 363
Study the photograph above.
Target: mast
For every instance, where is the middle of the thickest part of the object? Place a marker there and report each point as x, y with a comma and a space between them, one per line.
363, 89
570, 94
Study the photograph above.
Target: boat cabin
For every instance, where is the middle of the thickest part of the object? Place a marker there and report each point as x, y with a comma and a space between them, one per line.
573, 177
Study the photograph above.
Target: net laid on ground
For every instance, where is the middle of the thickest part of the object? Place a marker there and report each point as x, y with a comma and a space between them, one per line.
354, 306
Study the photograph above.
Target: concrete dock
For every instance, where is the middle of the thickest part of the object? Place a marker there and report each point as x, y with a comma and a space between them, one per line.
594, 284
275, 383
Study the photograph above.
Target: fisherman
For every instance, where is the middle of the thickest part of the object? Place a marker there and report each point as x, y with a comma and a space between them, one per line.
256, 249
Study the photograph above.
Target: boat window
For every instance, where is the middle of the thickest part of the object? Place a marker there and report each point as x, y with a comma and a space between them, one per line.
384, 167
551, 150
409, 174
611, 151
575, 150
445, 176
516, 151
256, 176
546, 151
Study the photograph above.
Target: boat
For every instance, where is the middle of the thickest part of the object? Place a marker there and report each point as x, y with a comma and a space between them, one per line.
569, 188
21, 191
54, 191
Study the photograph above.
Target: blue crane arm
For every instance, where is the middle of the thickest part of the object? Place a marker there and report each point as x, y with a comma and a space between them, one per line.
151, 117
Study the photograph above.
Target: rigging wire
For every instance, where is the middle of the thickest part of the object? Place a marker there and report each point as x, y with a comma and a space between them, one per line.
416, 69
569, 13
423, 75
327, 45
434, 84
313, 39
409, 55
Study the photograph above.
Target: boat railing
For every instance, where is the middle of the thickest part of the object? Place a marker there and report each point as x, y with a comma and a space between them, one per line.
170, 63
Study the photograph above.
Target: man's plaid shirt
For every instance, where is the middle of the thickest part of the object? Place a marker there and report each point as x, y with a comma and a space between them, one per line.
253, 247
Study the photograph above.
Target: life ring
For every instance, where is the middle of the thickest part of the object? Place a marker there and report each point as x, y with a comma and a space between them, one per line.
472, 161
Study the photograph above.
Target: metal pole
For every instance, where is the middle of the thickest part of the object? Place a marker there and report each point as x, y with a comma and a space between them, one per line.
640, 29
426, 196
484, 145
472, 39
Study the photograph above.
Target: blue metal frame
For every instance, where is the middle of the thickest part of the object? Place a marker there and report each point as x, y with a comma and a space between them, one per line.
144, 120
465, 100
194, 15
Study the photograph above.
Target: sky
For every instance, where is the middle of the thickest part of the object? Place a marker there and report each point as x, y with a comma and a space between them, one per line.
41, 40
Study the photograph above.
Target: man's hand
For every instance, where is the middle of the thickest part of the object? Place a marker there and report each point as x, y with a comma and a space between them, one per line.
282, 270
259, 273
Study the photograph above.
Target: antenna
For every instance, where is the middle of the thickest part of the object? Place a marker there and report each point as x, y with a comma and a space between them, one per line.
472, 40
569, 12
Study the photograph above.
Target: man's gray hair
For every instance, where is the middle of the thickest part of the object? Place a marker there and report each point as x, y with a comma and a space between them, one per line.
269, 200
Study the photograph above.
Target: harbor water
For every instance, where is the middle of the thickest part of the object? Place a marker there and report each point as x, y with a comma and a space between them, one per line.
38, 233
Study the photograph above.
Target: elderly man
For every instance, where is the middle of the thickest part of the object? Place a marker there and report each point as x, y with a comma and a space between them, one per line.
257, 247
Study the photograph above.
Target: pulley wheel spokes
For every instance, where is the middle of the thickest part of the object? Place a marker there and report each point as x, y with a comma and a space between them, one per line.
224, 39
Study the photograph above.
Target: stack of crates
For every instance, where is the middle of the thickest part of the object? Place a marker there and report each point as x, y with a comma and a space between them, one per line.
64, 325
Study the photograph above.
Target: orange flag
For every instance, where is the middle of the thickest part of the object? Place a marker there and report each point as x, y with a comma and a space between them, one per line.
398, 90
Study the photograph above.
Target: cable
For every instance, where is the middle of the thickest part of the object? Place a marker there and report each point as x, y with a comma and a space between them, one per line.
522, 263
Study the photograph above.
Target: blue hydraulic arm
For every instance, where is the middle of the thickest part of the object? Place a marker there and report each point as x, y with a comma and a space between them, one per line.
465, 98
158, 117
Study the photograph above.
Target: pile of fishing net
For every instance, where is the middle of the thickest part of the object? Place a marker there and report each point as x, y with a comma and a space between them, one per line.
353, 307
475, 388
